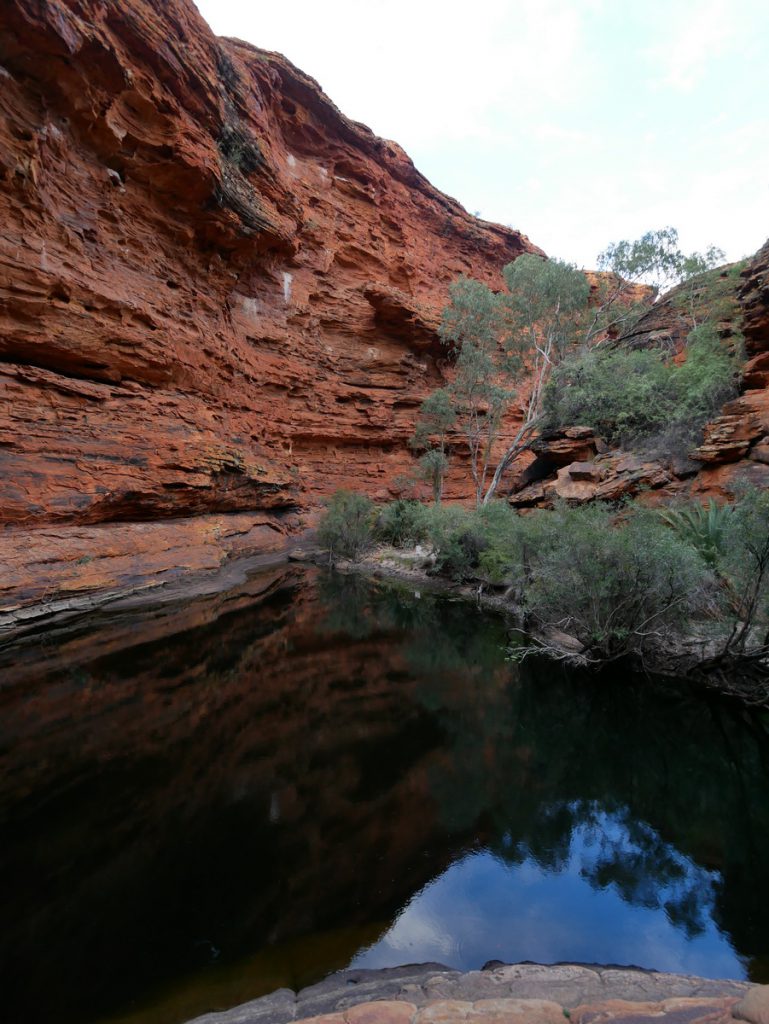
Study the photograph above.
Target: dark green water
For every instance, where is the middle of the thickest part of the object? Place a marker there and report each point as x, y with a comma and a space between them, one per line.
201, 805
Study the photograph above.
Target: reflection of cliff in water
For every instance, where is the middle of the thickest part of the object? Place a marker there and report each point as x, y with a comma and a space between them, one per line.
298, 759
215, 790
524, 766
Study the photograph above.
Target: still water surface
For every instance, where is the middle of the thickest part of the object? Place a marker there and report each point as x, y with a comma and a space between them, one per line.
314, 772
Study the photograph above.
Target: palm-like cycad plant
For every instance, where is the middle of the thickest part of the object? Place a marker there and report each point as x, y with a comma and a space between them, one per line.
702, 526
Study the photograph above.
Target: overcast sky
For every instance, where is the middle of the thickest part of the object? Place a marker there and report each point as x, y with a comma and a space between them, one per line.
580, 122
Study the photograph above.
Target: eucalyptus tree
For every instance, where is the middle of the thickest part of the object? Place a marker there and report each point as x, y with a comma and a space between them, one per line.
437, 415
505, 345
544, 312
471, 327
656, 260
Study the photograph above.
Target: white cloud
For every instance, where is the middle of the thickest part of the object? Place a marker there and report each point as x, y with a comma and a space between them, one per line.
699, 35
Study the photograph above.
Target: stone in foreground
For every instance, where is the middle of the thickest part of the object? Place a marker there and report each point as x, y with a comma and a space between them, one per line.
515, 993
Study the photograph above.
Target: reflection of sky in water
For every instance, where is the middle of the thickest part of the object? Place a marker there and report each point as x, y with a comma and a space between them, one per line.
484, 908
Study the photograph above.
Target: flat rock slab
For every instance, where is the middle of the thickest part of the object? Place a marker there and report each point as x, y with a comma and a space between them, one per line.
712, 1010
517, 993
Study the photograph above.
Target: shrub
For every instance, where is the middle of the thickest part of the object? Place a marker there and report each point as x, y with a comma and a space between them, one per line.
707, 378
486, 543
622, 394
346, 529
455, 542
743, 564
630, 396
619, 588
620, 584
514, 541
402, 522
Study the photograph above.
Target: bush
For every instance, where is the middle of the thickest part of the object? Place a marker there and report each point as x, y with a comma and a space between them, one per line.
743, 565
619, 588
621, 584
346, 529
629, 396
402, 523
621, 394
483, 543
455, 541
629, 582
707, 378
632, 582
470, 544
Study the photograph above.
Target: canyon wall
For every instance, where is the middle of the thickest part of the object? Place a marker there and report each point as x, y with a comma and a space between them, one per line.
577, 466
219, 302
218, 295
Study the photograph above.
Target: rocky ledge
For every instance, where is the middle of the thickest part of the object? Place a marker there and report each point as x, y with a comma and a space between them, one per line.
520, 993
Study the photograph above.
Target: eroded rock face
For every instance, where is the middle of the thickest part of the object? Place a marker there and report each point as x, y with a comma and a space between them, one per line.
754, 298
576, 466
607, 477
220, 297
248, 282
217, 293
560, 448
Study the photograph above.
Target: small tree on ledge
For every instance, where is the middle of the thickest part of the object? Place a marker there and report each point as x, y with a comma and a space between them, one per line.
436, 417
507, 344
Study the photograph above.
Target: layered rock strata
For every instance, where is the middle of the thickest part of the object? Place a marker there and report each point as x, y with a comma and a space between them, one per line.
577, 466
218, 295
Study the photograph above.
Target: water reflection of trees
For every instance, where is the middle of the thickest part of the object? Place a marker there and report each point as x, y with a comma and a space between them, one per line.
671, 788
619, 852
439, 639
388, 735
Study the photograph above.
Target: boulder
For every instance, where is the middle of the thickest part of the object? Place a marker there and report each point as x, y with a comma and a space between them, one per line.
754, 1006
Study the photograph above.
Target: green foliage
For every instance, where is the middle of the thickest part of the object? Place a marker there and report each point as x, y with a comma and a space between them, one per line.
618, 587
622, 394
455, 542
402, 523
743, 564
432, 467
656, 258
469, 543
711, 295
437, 415
699, 262
346, 528
472, 318
610, 583
704, 527
544, 307
471, 327
497, 338
707, 378
628, 396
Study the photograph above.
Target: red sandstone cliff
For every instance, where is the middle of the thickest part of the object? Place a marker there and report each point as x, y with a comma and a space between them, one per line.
218, 295
577, 466
219, 301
